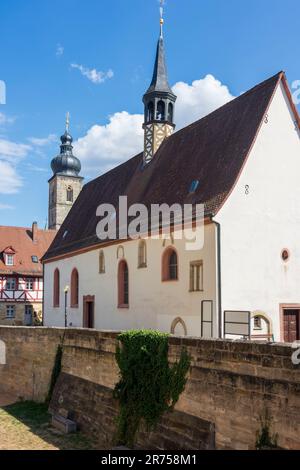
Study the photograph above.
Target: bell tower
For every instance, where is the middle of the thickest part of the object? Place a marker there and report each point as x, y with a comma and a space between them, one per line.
65, 184
159, 102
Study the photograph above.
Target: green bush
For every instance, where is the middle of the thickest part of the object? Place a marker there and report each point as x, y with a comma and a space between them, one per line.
148, 385
264, 438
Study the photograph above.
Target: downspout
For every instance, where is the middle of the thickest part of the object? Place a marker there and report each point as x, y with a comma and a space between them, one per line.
219, 283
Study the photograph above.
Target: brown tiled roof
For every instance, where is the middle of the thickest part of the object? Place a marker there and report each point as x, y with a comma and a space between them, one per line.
213, 150
21, 241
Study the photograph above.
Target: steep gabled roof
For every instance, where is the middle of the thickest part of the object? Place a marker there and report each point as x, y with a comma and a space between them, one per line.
22, 245
213, 151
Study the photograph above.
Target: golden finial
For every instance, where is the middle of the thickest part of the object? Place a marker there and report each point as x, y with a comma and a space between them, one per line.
161, 16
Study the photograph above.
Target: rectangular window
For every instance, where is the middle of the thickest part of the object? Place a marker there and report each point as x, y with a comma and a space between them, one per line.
34, 259
29, 284
196, 276
10, 311
9, 260
10, 283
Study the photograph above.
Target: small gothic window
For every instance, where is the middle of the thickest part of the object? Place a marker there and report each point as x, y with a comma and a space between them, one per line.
70, 194
56, 288
74, 288
150, 113
170, 112
178, 327
142, 255
170, 265
123, 285
101, 262
160, 113
120, 252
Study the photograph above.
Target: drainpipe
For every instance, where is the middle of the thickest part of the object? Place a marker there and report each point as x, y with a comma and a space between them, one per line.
219, 286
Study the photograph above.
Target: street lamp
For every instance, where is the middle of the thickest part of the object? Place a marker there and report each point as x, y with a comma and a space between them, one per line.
66, 290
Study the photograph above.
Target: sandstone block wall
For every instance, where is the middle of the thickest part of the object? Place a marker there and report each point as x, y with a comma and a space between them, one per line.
230, 385
30, 355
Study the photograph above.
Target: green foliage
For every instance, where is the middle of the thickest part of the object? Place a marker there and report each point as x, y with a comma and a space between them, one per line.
264, 438
148, 385
55, 372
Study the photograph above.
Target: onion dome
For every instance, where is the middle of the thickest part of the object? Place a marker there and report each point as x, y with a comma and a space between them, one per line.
66, 163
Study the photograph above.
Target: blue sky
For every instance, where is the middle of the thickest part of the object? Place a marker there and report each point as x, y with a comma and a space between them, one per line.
237, 43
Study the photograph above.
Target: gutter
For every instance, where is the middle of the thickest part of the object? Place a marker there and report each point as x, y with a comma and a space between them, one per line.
219, 283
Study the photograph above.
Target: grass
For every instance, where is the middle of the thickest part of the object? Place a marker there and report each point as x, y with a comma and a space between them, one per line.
26, 426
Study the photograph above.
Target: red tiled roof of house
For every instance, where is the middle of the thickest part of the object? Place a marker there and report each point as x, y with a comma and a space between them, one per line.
20, 240
213, 151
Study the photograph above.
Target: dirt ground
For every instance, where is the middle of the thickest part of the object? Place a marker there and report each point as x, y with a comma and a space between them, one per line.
26, 426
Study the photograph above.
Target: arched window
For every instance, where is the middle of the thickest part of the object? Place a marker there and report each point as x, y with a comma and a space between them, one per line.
178, 327
74, 288
142, 255
150, 112
123, 285
69, 194
56, 288
160, 113
170, 112
170, 265
101, 262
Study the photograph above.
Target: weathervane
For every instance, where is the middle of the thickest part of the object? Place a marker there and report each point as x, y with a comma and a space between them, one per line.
68, 122
162, 2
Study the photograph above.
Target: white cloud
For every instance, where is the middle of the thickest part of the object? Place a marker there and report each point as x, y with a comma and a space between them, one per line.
106, 146
42, 142
93, 75
6, 119
103, 147
10, 181
59, 50
12, 151
199, 99
5, 207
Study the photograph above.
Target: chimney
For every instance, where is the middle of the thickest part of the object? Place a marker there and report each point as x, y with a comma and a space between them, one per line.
34, 232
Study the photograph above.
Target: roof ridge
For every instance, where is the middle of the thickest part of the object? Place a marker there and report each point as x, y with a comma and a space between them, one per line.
251, 90
189, 126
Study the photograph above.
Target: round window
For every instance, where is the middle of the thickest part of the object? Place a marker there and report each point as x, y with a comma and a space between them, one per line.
285, 255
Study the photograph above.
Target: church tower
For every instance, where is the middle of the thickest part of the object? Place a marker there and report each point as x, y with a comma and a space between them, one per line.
65, 184
159, 101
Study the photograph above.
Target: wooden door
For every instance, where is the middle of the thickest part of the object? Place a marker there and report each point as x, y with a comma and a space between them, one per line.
88, 311
291, 324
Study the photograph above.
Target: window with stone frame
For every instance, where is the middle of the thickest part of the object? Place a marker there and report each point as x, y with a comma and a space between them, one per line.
123, 285
101, 262
142, 254
170, 265
56, 288
74, 288
196, 276
70, 195
10, 311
